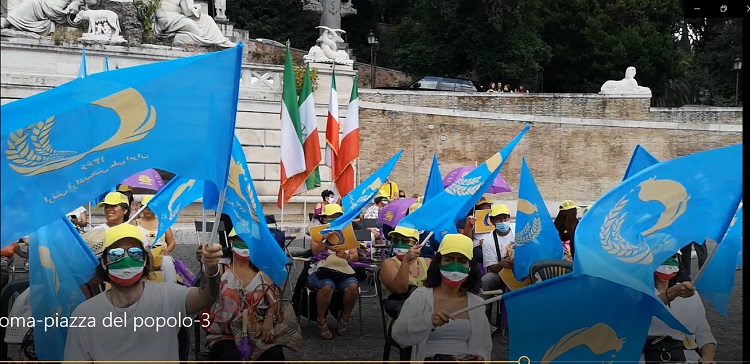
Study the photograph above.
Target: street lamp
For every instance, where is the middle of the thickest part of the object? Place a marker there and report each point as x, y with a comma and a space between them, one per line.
373, 42
736, 67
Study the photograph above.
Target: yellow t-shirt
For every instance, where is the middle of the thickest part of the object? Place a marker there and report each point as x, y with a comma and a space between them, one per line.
389, 189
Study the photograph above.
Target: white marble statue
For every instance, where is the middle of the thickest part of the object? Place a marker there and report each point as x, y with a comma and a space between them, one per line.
221, 7
99, 19
184, 19
39, 16
327, 51
626, 86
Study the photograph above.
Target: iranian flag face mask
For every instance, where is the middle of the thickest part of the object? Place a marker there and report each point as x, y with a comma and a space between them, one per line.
241, 250
454, 274
126, 271
667, 270
400, 250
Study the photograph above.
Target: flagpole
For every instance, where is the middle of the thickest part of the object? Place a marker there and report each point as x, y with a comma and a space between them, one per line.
708, 260
132, 217
220, 205
483, 303
282, 209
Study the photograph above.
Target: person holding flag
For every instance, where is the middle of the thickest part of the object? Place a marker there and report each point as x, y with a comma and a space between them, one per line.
147, 220
125, 265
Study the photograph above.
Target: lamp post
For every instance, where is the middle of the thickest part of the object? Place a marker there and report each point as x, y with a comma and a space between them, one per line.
736, 67
373, 42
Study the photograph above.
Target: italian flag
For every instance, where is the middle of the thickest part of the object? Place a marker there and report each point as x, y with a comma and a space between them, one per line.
292, 155
332, 129
349, 151
311, 144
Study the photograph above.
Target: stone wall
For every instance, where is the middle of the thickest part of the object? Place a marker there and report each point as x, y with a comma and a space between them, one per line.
578, 146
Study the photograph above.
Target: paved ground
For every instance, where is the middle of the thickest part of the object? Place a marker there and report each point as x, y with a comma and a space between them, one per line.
369, 346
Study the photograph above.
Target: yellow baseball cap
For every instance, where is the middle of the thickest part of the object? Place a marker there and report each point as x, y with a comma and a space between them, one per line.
457, 243
332, 208
413, 207
113, 198
567, 205
146, 199
124, 188
482, 201
499, 209
122, 231
405, 231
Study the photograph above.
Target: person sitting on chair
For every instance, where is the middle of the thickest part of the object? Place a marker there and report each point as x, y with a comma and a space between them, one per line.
425, 322
399, 279
244, 321
325, 281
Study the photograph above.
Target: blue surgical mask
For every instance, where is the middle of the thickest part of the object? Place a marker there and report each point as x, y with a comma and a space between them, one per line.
502, 226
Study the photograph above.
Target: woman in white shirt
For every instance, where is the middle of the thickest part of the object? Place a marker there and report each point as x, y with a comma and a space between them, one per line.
79, 217
425, 323
685, 304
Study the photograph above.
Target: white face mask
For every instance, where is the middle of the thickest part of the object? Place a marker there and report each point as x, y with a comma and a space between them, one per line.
330, 199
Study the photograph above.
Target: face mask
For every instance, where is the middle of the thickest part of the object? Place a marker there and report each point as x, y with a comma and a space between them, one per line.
384, 202
454, 274
400, 250
241, 251
665, 272
126, 271
502, 226
330, 199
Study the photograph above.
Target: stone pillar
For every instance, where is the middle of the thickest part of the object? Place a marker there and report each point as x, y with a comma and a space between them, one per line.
344, 82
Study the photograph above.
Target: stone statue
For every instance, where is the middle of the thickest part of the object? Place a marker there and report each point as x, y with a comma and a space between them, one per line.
39, 16
221, 7
331, 11
184, 19
104, 26
328, 51
626, 86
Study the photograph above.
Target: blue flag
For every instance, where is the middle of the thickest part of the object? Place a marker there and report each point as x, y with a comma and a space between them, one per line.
60, 262
434, 181
582, 319
636, 226
360, 196
640, 160
536, 235
171, 199
243, 207
83, 68
456, 200
176, 115
717, 281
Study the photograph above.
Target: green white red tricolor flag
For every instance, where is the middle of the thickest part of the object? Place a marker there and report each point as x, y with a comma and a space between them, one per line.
349, 149
311, 141
292, 154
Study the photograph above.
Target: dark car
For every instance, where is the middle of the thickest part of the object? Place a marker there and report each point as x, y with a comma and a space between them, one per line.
435, 83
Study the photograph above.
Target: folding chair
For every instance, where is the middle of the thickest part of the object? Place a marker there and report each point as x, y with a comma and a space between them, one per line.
404, 353
9, 291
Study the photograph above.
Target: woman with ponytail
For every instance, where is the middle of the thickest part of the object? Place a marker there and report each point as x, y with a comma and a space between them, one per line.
425, 322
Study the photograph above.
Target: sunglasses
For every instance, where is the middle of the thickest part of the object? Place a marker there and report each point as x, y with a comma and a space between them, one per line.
116, 254
406, 241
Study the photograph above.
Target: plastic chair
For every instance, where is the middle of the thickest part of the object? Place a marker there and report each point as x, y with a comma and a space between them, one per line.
10, 289
403, 353
550, 268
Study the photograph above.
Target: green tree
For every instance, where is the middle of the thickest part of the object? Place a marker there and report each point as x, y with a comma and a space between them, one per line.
717, 42
483, 40
278, 20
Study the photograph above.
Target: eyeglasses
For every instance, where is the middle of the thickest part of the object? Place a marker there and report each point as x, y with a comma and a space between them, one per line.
116, 254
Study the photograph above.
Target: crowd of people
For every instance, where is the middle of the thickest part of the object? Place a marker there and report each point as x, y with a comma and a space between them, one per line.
247, 319
500, 87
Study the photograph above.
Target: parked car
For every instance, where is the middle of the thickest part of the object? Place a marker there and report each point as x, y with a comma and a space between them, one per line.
435, 83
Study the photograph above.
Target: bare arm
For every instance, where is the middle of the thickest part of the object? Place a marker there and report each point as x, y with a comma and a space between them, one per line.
206, 294
395, 279
84, 220
708, 353
169, 238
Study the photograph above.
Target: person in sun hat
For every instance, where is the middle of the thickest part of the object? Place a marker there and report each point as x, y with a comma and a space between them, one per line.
405, 270
124, 264
566, 223
685, 304
466, 226
246, 292
425, 322
321, 277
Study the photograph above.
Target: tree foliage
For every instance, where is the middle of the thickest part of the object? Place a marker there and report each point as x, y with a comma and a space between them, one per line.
278, 20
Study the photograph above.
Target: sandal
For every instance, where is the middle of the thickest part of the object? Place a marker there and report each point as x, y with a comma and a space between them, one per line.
341, 326
324, 332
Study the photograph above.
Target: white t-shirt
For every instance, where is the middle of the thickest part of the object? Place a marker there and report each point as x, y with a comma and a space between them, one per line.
159, 300
489, 252
482, 238
77, 212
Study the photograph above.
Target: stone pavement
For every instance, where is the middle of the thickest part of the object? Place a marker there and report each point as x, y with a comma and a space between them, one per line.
369, 346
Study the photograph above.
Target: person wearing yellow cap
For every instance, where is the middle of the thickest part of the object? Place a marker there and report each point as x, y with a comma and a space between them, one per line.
406, 270
566, 223
425, 323
136, 302
466, 226
245, 289
128, 192
497, 250
148, 220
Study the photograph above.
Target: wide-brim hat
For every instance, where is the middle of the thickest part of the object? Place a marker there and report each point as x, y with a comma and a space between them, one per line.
94, 238
337, 264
